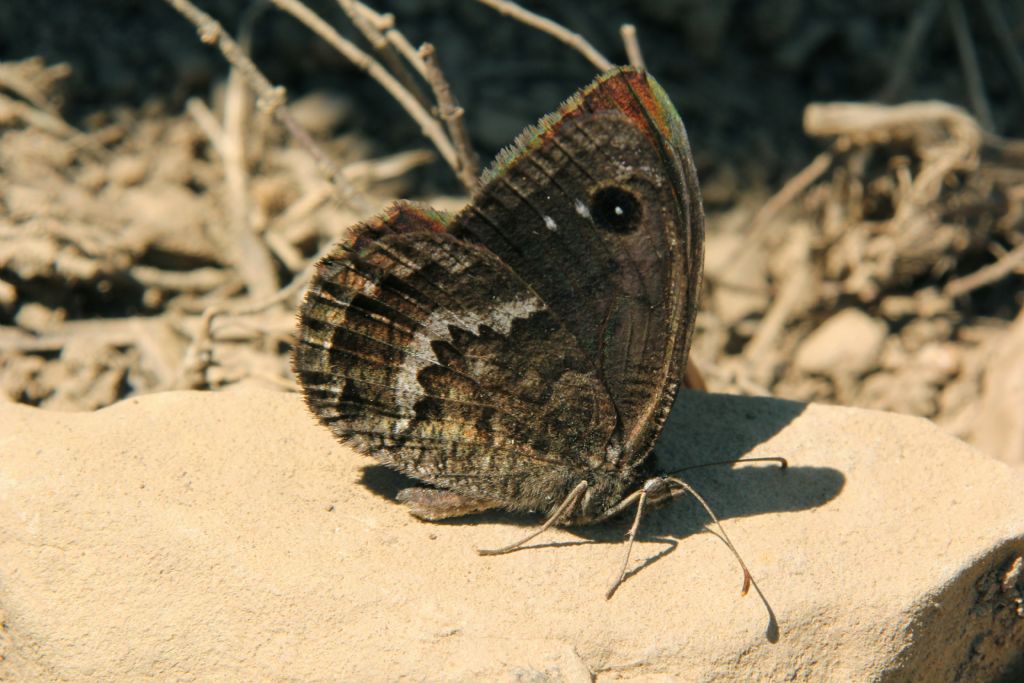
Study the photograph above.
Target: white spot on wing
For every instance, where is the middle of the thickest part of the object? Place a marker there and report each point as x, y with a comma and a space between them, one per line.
550, 223
581, 209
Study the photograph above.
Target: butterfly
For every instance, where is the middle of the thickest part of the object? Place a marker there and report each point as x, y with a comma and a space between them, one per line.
524, 353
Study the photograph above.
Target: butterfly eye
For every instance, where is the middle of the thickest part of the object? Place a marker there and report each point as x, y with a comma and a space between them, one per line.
615, 209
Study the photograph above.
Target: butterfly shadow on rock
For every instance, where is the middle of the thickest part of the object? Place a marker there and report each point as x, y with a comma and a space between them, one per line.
702, 428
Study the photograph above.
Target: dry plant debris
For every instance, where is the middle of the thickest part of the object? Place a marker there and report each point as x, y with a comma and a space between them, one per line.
829, 291
116, 244
154, 250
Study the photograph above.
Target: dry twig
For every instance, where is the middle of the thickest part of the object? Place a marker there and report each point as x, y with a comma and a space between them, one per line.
405, 48
553, 29
969, 64
199, 355
1010, 262
1004, 38
920, 27
453, 115
632, 45
790, 190
385, 23
42, 119
32, 80
372, 26
793, 290
248, 254
430, 126
207, 123
268, 97
761, 223
946, 137
251, 257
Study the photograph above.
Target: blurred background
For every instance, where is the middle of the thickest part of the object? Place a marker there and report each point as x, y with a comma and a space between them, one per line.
860, 161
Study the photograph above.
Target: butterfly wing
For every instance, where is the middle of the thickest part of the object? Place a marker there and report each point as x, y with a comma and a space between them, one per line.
598, 210
433, 356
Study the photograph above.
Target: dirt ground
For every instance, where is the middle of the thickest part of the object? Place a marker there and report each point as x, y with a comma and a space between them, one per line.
861, 165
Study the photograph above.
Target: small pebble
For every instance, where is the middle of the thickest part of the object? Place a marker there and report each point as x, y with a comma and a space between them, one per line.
850, 342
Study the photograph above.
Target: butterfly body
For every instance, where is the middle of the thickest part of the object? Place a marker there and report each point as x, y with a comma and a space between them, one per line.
524, 353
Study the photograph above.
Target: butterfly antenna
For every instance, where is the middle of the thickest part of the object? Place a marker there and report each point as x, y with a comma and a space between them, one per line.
782, 462
748, 579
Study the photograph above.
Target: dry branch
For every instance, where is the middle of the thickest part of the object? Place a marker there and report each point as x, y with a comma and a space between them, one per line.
33, 81
1005, 40
269, 98
372, 26
430, 126
251, 257
920, 27
1010, 262
969, 64
632, 45
552, 28
453, 116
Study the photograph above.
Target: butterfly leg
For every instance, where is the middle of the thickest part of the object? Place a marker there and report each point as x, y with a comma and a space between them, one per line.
641, 498
434, 504
656, 489
563, 510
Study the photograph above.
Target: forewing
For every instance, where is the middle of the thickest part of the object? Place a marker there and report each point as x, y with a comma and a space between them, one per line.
598, 211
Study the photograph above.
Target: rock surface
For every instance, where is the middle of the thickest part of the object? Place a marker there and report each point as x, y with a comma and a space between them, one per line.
206, 536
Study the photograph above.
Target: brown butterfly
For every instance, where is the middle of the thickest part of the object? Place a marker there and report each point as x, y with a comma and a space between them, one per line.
525, 353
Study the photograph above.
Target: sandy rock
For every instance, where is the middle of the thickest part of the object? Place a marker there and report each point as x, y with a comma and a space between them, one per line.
205, 536
849, 342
